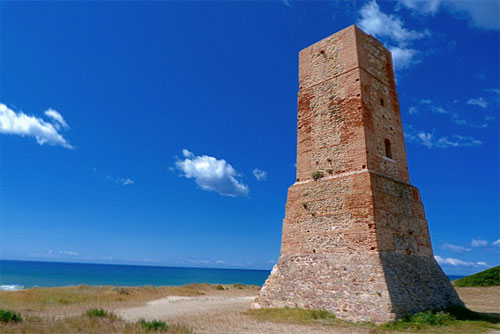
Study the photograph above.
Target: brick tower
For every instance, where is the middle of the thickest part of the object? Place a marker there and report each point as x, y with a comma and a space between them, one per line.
355, 238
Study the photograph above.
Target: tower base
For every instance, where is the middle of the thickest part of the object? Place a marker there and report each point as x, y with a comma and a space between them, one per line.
377, 287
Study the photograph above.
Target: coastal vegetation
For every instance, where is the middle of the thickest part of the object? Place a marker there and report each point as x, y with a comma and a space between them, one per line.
488, 277
10, 316
87, 309
453, 320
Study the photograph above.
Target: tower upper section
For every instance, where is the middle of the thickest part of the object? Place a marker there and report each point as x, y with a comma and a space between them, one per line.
348, 110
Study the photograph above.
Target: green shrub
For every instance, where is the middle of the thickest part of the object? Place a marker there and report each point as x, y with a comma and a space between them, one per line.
10, 316
329, 171
304, 205
316, 175
238, 286
219, 287
421, 320
97, 312
488, 277
153, 325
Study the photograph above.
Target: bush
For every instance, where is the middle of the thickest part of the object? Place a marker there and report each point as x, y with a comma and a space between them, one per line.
421, 320
317, 175
219, 287
329, 171
10, 316
153, 325
97, 312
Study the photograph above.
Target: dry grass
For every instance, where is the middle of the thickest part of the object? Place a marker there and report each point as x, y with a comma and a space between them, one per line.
74, 300
63, 310
84, 324
323, 318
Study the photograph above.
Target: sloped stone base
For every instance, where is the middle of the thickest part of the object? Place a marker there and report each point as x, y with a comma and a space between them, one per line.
370, 287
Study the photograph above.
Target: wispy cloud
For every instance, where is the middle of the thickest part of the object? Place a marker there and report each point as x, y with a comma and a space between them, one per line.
480, 14
260, 175
480, 101
60, 122
496, 243
211, 174
429, 140
458, 263
124, 181
455, 248
450, 112
391, 30
55, 254
18, 123
479, 243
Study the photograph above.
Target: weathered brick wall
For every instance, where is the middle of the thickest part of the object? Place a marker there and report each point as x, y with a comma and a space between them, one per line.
355, 239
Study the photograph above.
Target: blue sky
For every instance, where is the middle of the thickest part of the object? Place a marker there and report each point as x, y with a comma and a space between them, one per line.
165, 132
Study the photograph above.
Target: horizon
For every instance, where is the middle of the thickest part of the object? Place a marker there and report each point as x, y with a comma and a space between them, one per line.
164, 133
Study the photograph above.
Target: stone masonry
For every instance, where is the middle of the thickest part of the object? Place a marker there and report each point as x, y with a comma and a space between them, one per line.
355, 238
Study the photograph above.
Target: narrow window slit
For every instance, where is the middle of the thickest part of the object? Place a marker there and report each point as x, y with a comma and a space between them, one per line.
388, 150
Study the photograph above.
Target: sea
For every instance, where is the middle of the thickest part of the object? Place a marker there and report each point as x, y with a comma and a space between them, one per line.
18, 275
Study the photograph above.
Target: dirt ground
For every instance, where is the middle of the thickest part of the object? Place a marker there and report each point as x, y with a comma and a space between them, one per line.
224, 314
202, 308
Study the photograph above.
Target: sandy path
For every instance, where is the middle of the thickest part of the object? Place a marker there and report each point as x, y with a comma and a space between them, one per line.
225, 314
176, 306
218, 315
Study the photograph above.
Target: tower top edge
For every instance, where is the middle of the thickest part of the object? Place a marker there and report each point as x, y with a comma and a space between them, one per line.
352, 28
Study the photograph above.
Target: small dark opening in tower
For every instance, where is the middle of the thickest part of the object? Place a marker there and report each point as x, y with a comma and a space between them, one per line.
382, 102
388, 151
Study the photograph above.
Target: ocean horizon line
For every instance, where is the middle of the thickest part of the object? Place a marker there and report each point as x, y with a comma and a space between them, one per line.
133, 264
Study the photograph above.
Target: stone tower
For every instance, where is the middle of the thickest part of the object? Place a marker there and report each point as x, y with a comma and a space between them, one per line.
355, 238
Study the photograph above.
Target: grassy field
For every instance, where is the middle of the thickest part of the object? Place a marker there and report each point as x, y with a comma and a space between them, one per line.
85, 309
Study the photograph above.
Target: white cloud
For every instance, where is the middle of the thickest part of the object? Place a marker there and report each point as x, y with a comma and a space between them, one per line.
424, 6
428, 140
496, 243
455, 248
260, 175
212, 174
454, 116
23, 125
220, 262
376, 23
478, 243
481, 102
57, 117
403, 57
458, 263
124, 181
413, 110
70, 253
391, 29
480, 13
